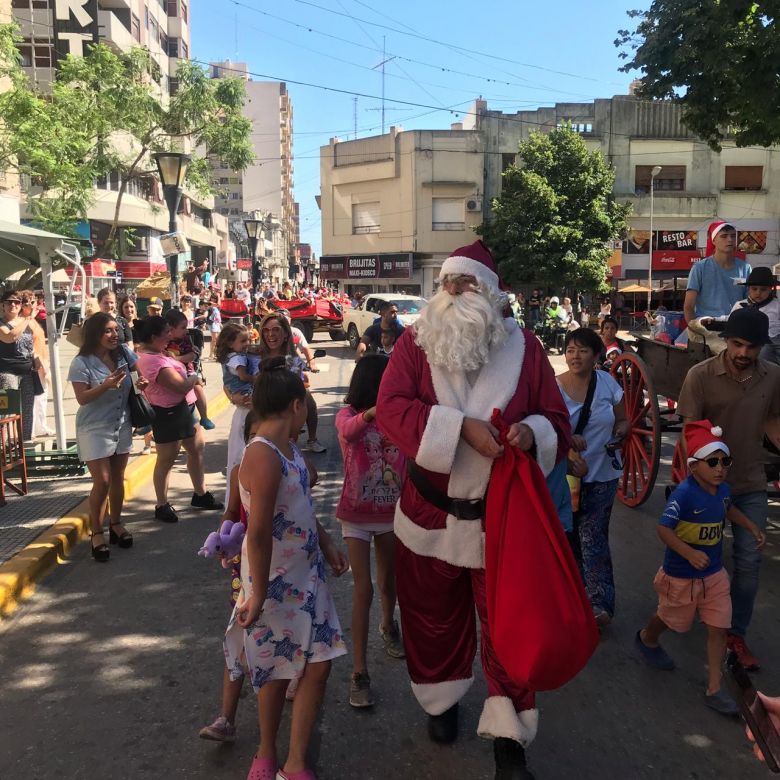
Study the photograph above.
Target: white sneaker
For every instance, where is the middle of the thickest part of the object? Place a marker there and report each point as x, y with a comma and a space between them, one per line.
315, 446
147, 450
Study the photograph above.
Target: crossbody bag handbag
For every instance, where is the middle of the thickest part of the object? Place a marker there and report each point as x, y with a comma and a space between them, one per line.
576, 482
141, 412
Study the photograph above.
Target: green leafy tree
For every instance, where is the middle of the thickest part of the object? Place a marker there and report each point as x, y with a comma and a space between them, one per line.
556, 218
718, 59
103, 116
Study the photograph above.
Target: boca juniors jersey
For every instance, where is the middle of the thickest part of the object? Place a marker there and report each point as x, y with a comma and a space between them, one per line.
697, 518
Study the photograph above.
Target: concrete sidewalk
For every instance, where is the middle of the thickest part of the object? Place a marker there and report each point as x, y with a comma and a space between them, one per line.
36, 530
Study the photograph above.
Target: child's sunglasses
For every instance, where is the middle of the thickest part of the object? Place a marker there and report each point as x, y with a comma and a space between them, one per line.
725, 461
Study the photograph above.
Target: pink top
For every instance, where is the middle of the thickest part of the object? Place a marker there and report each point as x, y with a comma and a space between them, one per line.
150, 365
374, 470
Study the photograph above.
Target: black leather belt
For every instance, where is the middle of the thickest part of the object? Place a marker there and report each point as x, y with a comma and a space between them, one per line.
462, 508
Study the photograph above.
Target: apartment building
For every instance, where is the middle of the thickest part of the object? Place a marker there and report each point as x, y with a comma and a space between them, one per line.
395, 205
9, 181
694, 185
51, 30
266, 186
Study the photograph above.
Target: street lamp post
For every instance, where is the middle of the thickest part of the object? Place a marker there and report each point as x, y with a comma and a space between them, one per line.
172, 167
254, 232
656, 170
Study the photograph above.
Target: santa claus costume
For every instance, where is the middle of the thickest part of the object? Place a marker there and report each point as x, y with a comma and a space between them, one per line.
439, 523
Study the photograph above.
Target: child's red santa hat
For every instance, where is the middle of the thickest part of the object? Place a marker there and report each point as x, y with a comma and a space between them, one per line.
473, 260
712, 231
702, 438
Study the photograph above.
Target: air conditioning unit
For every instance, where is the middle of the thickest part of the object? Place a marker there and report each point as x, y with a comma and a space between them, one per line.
474, 203
235, 275
174, 243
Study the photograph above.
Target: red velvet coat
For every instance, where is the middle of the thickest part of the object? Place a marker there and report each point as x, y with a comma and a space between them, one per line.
421, 409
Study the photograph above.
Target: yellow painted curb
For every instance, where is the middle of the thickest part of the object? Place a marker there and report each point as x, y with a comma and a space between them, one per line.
29, 566
19, 575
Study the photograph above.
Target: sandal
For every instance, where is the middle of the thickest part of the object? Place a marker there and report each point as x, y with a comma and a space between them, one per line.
262, 769
305, 774
100, 553
124, 540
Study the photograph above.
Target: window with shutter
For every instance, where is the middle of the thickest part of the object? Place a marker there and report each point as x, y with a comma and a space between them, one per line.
365, 218
671, 178
448, 214
744, 177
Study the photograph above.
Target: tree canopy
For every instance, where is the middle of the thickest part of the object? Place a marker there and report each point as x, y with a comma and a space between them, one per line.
556, 219
103, 116
719, 59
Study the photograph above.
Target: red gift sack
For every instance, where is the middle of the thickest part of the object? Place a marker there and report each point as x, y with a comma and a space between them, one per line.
541, 622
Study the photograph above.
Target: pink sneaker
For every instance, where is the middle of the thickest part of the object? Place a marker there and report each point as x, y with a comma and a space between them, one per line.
221, 730
262, 769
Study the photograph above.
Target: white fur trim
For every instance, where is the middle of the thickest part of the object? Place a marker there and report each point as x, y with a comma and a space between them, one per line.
440, 439
437, 698
469, 267
716, 431
494, 387
708, 449
461, 543
499, 719
546, 441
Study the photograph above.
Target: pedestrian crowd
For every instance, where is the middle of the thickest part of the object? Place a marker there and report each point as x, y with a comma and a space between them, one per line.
419, 434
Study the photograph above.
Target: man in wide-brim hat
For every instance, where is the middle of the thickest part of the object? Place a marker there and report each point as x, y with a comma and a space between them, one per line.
740, 392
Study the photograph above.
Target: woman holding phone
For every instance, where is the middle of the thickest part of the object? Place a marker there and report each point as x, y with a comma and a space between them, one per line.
102, 384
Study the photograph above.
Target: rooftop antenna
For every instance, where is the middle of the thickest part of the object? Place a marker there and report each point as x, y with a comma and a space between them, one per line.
385, 60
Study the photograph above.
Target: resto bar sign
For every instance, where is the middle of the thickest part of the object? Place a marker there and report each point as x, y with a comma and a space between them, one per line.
75, 24
381, 266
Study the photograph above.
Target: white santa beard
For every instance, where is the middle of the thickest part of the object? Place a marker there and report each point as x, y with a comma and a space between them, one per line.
457, 332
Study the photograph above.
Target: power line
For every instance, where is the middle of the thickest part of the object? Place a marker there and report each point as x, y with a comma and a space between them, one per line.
448, 45
439, 67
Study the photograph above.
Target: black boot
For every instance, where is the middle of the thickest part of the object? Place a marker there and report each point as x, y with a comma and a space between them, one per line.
444, 728
510, 760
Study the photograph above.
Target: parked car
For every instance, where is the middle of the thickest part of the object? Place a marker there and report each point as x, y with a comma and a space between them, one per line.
357, 320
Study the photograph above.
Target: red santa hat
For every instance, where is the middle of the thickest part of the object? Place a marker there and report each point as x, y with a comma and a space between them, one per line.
473, 260
702, 438
712, 231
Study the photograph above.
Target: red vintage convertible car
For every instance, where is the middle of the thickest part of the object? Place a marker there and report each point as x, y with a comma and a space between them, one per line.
310, 316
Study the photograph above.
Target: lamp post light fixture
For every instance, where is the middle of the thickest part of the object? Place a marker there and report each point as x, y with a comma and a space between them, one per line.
172, 167
653, 173
254, 232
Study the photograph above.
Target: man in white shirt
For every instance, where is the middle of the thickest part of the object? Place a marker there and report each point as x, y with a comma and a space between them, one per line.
244, 294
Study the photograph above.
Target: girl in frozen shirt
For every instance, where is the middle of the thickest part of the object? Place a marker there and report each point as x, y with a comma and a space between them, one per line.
373, 477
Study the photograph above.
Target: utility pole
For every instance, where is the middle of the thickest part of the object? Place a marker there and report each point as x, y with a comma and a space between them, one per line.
354, 113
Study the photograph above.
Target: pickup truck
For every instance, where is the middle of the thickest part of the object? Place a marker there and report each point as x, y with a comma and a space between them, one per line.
357, 320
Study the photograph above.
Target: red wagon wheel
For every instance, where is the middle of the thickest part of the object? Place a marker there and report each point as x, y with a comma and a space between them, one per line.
642, 446
679, 465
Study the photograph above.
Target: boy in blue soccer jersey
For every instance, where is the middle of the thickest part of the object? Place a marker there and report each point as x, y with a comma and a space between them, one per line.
692, 576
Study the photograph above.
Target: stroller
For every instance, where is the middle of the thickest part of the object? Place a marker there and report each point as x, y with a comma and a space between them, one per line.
198, 342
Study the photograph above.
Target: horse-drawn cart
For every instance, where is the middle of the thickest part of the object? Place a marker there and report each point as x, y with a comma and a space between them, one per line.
655, 369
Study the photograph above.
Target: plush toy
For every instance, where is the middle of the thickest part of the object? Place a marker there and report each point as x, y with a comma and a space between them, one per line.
227, 542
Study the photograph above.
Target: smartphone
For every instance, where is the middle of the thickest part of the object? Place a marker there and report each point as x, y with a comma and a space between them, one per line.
754, 712
615, 443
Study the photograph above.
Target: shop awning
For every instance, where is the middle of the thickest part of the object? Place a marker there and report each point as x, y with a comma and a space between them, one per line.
19, 247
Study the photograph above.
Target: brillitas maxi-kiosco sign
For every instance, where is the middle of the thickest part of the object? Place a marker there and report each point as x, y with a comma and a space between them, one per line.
380, 266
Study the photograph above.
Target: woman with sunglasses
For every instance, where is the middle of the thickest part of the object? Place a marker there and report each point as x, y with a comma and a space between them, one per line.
276, 340
17, 356
596, 463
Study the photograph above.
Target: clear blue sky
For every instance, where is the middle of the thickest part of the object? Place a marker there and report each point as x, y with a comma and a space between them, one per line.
561, 51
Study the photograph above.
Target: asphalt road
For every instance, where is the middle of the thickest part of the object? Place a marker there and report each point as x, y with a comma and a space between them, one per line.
110, 670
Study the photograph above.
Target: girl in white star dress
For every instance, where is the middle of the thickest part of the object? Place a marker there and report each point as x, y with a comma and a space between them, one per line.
284, 625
